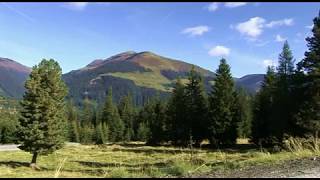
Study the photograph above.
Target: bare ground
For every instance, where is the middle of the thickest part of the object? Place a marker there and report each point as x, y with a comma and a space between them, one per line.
300, 168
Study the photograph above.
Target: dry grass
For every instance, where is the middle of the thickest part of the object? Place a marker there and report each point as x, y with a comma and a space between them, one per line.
138, 160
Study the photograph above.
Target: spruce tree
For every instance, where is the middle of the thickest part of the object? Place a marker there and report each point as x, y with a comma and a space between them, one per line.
127, 114
196, 108
111, 117
178, 131
73, 122
243, 111
222, 126
87, 135
281, 116
261, 132
308, 116
156, 121
42, 121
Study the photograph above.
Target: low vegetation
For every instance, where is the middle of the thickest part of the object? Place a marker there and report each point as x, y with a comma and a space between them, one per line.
137, 160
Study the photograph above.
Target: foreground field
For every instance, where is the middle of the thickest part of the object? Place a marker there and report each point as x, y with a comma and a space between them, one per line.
137, 160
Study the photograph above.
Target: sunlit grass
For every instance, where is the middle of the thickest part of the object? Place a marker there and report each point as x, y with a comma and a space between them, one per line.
137, 160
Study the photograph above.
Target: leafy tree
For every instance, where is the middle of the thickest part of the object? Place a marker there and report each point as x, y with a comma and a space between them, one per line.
42, 121
222, 126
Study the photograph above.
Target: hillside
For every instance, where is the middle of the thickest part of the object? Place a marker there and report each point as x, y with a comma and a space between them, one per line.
12, 78
142, 74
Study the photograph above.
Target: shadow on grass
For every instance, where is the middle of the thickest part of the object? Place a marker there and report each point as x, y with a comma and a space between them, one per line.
238, 148
99, 164
17, 164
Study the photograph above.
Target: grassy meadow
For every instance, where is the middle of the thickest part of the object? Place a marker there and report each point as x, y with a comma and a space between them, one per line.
137, 160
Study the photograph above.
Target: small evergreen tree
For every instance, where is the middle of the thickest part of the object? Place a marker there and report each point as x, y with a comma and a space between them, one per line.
42, 121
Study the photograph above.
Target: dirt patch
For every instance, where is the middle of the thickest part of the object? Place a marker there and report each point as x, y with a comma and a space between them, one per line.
292, 168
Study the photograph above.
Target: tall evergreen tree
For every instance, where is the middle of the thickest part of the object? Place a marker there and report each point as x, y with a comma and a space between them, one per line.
243, 111
42, 121
281, 116
87, 128
73, 122
127, 114
178, 131
196, 107
156, 120
308, 116
223, 125
111, 117
263, 102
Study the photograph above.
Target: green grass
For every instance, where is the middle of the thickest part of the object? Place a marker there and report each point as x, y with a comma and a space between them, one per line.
136, 160
146, 79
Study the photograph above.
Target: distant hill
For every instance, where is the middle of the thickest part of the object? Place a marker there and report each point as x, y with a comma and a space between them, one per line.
251, 82
12, 78
142, 74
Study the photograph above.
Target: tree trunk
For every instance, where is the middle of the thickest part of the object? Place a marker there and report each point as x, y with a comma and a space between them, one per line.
33, 164
316, 141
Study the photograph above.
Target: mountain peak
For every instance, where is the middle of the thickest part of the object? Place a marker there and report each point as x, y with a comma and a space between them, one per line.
11, 64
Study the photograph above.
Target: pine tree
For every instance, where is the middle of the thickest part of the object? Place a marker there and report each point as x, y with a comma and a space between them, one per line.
42, 121
156, 121
196, 107
281, 116
87, 128
127, 114
73, 122
243, 113
308, 116
222, 125
111, 117
261, 131
143, 132
178, 131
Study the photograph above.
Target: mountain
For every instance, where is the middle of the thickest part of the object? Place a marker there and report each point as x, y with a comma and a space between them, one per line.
251, 83
142, 74
12, 78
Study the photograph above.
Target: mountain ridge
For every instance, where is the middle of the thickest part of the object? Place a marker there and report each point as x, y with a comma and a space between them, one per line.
141, 73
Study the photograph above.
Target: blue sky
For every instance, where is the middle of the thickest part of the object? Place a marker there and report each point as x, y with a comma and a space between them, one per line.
249, 35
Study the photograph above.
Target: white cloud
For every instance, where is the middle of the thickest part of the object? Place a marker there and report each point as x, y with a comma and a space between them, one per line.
219, 51
196, 31
213, 6
309, 27
268, 62
252, 28
279, 38
78, 6
283, 22
234, 4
